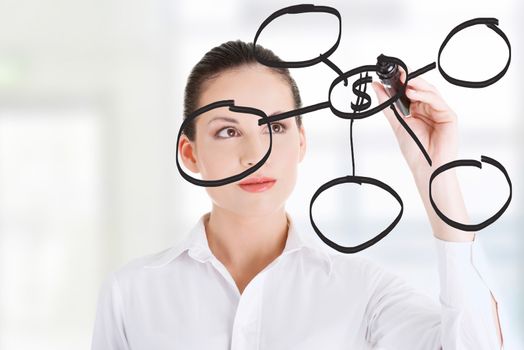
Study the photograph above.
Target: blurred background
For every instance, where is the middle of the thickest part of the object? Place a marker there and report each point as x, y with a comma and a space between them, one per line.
91, 100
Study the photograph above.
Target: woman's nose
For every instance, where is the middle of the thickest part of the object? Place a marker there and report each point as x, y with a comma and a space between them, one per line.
254, 150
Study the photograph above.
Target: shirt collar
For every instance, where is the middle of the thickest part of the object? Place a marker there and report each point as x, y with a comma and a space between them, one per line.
196, 245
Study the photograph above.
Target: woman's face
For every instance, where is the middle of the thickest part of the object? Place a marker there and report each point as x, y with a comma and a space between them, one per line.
222, 149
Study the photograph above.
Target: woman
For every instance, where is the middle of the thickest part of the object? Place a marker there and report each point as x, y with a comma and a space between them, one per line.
245, 279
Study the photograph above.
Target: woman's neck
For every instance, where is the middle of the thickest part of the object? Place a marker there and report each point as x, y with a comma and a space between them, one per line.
246, 244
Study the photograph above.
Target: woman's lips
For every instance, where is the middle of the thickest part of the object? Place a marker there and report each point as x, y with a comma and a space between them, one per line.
258, 187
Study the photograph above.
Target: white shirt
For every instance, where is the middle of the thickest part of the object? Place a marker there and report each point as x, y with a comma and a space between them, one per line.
307, 298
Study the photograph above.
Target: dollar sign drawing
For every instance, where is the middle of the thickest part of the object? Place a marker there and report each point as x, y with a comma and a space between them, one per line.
362, 95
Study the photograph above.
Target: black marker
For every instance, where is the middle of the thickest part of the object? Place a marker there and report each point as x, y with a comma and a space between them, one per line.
389, 75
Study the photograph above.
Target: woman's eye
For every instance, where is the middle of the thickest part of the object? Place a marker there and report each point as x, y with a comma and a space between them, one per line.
278, 128
229, 132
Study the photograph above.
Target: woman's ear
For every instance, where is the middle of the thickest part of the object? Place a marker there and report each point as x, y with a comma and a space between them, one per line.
303, 144
187, 151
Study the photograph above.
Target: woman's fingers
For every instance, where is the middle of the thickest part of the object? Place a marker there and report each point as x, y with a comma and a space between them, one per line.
417, 83
420, 84
422, 111
427, 102
428, 97
432, 106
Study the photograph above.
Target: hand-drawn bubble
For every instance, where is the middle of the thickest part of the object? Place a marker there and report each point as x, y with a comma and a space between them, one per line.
247, 117
358, 180
476, 163
297, 9
491, 23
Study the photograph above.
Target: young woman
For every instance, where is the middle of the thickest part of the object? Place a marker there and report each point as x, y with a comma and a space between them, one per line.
244, 278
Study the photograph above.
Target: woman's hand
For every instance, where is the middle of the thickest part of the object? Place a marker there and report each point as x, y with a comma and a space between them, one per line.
435, 125
431, 119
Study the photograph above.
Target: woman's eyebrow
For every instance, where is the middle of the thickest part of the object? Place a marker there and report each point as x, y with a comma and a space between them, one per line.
227, 119
232, 120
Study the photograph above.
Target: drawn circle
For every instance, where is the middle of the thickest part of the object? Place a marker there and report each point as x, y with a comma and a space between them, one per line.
476, 163
296, 9
368, 68
233, 108
491, 23
358, 180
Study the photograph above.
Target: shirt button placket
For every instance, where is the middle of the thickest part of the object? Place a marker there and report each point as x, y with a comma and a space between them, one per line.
247, 318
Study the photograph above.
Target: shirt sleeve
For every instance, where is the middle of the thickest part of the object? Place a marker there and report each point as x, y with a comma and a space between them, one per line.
109, 332
465, 297
400, 317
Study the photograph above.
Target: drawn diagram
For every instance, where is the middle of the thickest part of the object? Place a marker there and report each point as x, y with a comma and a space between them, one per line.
359, 110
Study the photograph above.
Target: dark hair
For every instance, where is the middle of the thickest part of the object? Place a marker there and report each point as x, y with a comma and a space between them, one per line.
231, 54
